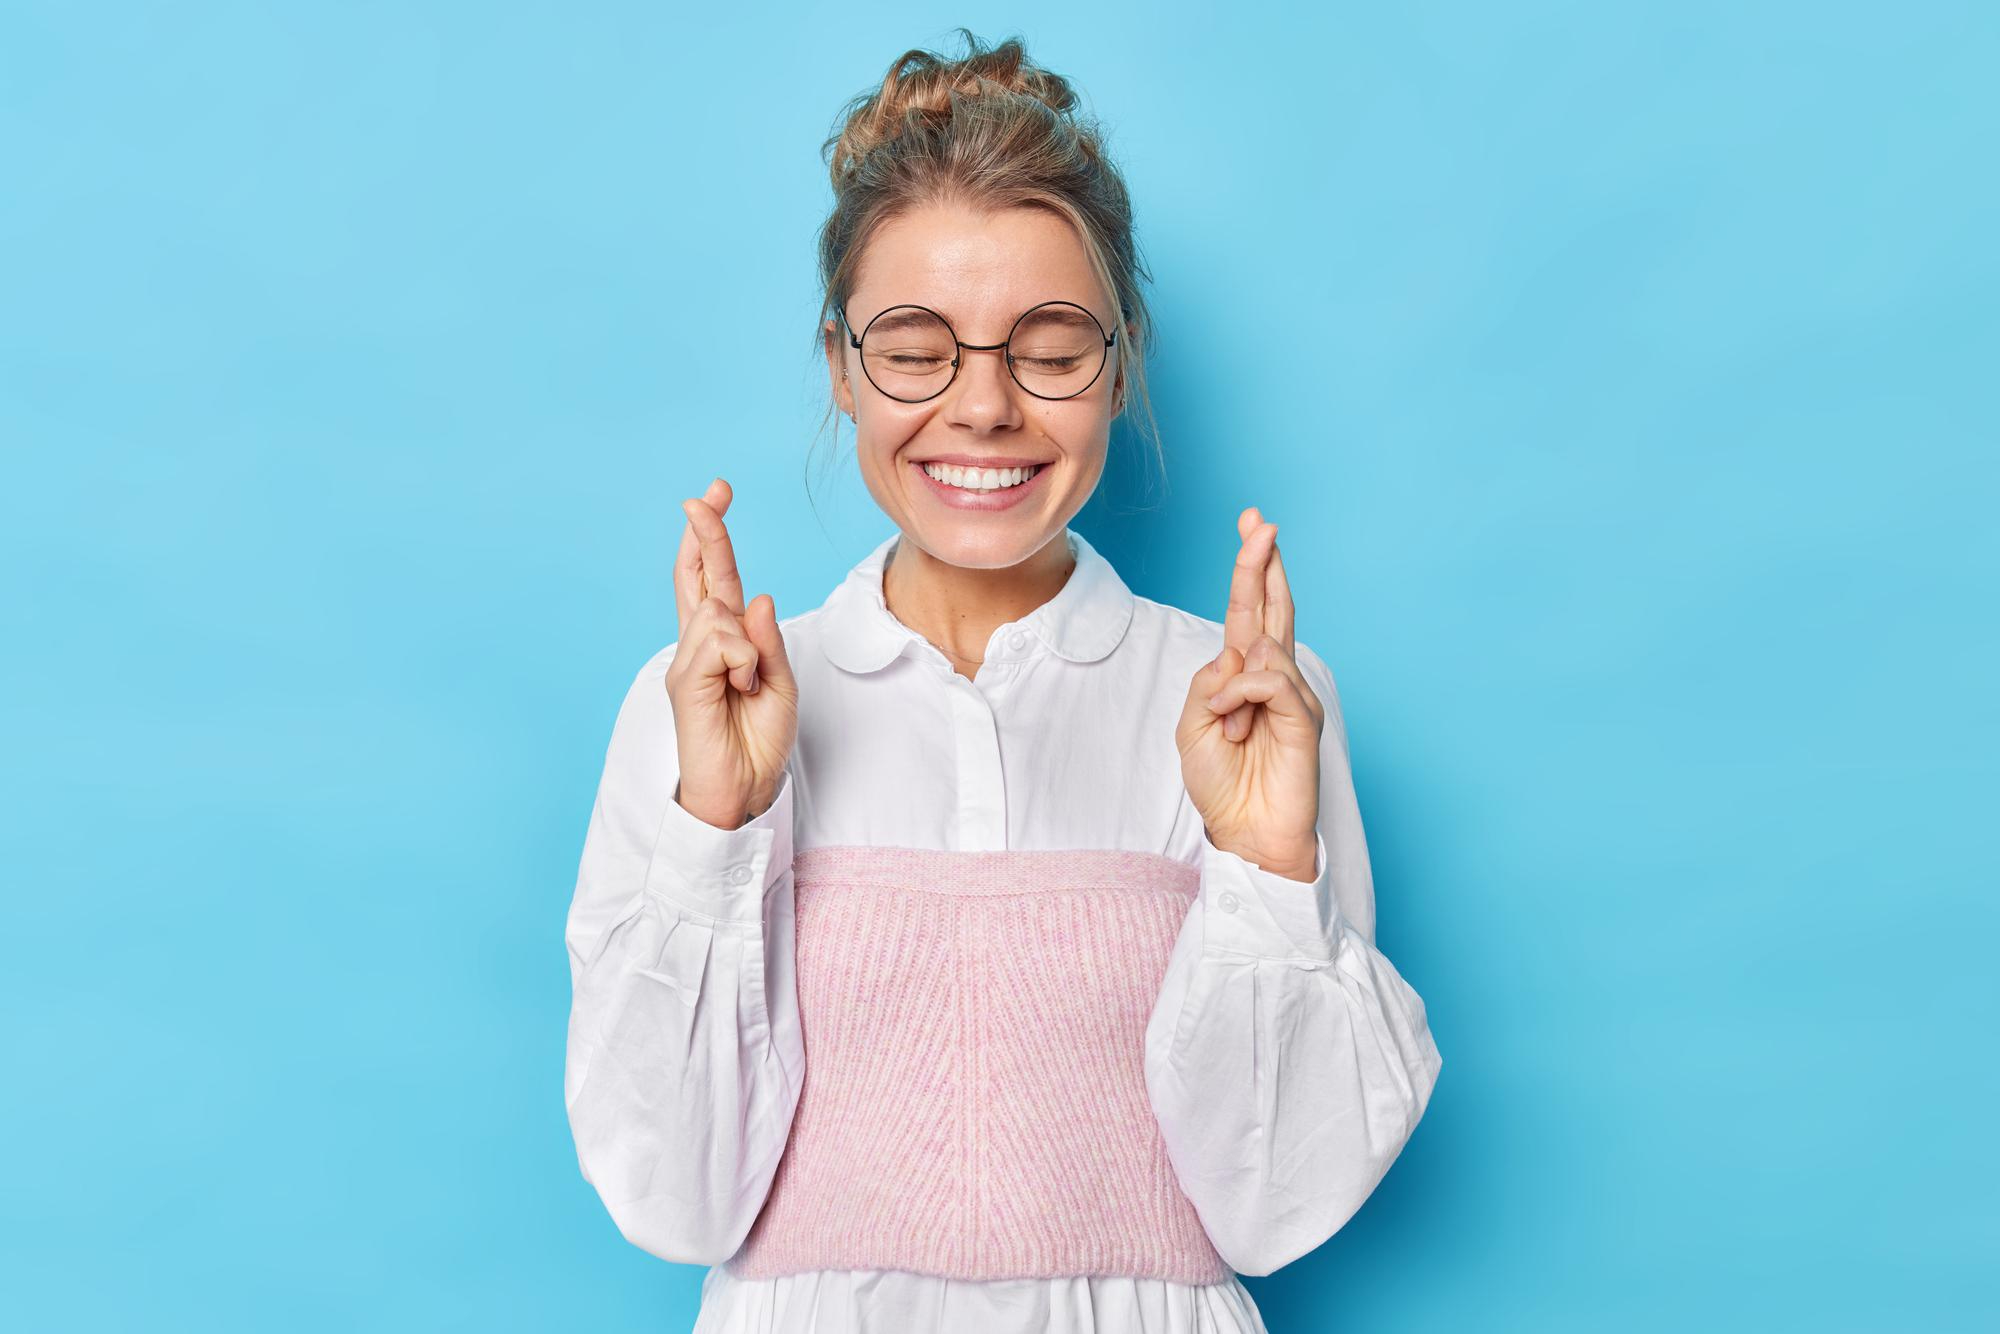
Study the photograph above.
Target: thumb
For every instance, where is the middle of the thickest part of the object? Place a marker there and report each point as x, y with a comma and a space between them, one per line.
760, 627
1195, 712
1227, 663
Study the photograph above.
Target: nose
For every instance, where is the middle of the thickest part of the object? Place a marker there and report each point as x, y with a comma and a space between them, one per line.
984, 397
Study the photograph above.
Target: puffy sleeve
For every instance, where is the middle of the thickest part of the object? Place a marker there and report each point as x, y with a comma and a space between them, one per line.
1287, 1060
685, 1055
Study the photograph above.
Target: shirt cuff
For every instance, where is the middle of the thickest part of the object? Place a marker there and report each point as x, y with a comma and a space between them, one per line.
722, 873
1249, 910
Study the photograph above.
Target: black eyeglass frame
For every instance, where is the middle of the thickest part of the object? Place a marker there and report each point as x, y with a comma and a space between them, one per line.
854, 340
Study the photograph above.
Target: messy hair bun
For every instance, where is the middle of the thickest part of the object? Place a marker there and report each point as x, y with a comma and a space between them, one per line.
916, 95
987, 129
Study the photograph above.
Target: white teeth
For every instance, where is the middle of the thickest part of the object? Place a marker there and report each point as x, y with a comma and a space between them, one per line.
980, 479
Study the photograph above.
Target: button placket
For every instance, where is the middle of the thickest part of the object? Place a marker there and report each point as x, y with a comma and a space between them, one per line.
982, 796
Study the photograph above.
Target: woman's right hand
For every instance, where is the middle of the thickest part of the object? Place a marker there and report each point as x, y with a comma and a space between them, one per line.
735, 701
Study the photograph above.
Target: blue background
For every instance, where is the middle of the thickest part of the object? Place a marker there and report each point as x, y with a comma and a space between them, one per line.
1623, 383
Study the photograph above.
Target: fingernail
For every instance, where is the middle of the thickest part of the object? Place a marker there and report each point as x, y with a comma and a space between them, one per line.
754, 683
1215, 701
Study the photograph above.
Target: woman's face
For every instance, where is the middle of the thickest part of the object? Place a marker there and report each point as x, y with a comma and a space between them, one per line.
980, 271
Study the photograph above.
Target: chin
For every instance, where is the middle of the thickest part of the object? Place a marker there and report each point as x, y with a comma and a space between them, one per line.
987, 545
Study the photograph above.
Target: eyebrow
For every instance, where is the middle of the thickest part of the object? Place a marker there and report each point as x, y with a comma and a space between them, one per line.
887, 322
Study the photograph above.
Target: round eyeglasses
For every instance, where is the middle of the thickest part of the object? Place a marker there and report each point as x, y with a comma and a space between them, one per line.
1055, 350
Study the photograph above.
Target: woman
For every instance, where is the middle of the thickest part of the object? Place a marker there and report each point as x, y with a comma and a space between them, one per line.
987, 948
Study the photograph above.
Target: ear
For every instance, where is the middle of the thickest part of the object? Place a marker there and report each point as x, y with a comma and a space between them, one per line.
836, 367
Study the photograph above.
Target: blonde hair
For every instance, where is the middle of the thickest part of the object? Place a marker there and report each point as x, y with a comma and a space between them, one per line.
990, 130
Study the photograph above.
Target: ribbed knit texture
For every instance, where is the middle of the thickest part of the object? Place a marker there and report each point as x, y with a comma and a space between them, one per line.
974, 1103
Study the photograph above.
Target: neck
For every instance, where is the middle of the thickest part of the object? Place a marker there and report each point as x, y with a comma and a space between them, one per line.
957, 608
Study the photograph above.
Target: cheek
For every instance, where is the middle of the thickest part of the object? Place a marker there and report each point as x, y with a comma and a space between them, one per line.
1077, 428
879, 433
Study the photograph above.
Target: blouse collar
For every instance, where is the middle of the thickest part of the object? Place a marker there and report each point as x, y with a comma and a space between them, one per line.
1083, 622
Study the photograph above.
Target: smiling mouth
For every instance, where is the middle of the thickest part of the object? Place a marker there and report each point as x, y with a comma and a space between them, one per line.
977, 480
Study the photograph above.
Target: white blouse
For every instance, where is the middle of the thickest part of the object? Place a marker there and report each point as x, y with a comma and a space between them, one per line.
1286, 1059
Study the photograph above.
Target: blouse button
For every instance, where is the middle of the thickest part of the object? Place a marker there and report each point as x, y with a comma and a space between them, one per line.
1017, 640
739, 875
1227, 902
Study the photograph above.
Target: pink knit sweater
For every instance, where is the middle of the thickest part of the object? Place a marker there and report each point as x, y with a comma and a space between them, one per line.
974, 1103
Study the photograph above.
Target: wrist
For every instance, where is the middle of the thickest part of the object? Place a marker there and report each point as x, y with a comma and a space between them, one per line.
1292, 861
1301, 871
711, 813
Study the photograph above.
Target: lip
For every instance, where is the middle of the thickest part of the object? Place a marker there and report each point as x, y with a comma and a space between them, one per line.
985, 461
973, 500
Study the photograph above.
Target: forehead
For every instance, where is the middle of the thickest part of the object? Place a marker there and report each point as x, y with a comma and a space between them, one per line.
977, 269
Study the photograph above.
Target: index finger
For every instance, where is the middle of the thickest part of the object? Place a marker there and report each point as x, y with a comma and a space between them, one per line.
687, 578
1244, 619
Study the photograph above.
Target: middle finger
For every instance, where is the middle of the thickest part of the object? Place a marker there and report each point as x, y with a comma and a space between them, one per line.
1279, 612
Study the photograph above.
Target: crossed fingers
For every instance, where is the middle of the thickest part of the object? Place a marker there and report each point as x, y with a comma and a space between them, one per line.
708, 593
1258, 622
706, 564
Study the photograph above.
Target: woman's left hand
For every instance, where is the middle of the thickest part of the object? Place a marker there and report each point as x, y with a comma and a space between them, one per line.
1249, 735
